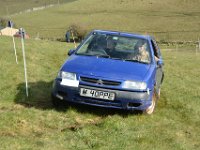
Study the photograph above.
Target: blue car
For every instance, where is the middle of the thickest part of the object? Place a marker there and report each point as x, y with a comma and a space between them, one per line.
114, 70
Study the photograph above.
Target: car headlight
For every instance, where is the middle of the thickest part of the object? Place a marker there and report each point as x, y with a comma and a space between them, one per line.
67, 75
68, 79
135, 85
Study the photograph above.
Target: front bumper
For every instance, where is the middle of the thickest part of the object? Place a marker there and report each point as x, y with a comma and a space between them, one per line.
123, 99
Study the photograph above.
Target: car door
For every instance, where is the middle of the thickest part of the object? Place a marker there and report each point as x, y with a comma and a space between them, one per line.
159, 66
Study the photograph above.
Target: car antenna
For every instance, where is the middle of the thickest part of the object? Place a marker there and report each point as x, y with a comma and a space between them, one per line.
71, 30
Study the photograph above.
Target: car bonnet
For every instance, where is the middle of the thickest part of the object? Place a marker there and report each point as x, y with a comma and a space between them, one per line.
105, 68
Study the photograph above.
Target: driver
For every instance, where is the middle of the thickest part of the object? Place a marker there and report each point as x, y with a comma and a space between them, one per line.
110, 46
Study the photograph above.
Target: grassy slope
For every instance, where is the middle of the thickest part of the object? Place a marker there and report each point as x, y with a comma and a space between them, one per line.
9, 7
33, 123
175, 19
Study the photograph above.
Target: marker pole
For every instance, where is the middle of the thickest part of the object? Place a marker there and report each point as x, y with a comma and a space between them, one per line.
24, 58
14, 47
73, 38
196, 49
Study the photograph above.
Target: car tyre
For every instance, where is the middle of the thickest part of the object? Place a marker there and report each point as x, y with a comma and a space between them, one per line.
158, 94
151, 108
57, 103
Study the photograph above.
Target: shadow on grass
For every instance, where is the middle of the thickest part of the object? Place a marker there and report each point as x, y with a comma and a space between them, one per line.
39, 95
102, 112
40, 98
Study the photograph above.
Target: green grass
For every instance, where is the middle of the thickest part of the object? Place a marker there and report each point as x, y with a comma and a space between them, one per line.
177, 20
33, 123
10, 7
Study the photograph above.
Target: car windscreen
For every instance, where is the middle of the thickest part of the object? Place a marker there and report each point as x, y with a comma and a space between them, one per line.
116, 47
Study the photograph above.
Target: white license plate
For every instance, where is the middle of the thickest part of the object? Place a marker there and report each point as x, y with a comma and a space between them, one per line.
97, 94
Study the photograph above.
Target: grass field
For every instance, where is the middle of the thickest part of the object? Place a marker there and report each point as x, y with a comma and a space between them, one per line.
9, 7
169, 20
33, 123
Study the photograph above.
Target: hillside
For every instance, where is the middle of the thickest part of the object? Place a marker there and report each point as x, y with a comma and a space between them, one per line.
169, 20
10, 7
33, 123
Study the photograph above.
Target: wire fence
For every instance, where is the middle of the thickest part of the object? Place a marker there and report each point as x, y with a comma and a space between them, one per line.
162, 37
11, 8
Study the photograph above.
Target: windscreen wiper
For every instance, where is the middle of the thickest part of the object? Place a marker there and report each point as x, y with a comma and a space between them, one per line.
116, 58
103, 55
136, 60
99, 55
85, 54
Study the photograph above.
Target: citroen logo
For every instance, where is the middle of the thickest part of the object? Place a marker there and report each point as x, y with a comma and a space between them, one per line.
100, 82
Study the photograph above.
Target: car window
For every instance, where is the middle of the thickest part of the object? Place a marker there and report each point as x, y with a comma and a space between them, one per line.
84, 47
116, 47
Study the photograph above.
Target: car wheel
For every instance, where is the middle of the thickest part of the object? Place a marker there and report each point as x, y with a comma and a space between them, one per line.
151, 108
158, 93
56, 102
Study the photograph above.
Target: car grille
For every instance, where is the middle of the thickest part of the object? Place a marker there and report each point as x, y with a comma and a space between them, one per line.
99, 81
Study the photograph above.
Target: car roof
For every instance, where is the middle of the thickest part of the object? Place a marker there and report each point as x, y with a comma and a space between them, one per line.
127, 34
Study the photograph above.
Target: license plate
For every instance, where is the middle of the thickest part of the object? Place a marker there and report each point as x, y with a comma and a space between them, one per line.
97, 94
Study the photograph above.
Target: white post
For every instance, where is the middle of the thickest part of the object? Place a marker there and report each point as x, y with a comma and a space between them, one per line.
14, 46
37, 36
196, 48
24, 58
73, 38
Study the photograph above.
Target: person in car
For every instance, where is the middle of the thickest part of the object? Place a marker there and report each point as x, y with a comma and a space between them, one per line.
110, 46
141, 52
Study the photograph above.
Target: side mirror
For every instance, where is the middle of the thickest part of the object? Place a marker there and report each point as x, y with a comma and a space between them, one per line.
71, 51
160, 63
